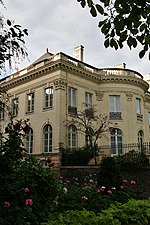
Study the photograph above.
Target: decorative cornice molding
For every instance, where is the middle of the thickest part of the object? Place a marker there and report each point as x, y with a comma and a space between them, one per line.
129, 96
59, 84
78, 70
99, 95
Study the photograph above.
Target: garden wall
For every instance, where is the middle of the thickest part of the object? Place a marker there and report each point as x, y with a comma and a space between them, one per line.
142, 176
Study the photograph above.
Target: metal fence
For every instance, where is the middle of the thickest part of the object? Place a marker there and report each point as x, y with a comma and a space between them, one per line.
124, 148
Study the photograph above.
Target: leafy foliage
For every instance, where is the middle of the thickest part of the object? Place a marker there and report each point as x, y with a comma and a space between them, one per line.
28, 188
12, 42
109, 175
132, 159
123, 21
76, 157
132, 212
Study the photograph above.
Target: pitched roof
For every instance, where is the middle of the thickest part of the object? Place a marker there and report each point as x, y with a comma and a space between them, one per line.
44, 57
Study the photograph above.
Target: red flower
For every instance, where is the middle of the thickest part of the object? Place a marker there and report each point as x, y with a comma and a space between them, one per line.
49, 159
51, 164
16, 126
26, 128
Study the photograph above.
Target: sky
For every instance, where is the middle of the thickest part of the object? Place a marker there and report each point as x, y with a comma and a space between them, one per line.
60, 25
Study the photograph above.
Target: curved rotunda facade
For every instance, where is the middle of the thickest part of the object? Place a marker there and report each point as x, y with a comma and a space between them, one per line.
55, 86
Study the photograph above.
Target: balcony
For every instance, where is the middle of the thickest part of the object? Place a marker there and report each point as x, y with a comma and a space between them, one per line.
72, 110
115, 116
139, 117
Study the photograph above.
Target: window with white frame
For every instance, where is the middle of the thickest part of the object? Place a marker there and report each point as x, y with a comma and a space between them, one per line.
114, 107
138, 106
29, 141
47, 138
48, 94
88, 100
2, 109
114, 103
149, 118
116, 141
15, 103
72, 136
30, 102
72, 100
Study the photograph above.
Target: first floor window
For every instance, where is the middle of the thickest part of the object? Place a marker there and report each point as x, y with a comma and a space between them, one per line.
114, 107
116, 141
149, 118
47, 138
72, 136
114, 103
88, 100
140, 139
30, 102
29, 141
2, 108
15, 103
48, 97
138, 105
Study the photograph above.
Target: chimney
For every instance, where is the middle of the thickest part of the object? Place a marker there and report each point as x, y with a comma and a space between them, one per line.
79, 52
121, 66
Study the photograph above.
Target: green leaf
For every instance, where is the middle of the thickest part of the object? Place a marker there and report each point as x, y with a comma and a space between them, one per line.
99, 9
141, 54
9, 22
113, 43
106, 43
142, 27
93, 11
89, 2
83, 3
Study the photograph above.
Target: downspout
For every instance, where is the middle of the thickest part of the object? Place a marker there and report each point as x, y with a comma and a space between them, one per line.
66, 136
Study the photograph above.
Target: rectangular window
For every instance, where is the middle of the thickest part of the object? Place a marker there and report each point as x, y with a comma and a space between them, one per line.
30, 102
138, 106
88, 100
114, 107
15, 103
114, 103
149, 118
48, 92
2, 107
72, 100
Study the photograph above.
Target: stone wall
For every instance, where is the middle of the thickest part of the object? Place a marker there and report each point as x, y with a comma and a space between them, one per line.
141, 176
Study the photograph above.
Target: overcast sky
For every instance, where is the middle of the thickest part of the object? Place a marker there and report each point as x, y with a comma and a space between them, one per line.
60, 25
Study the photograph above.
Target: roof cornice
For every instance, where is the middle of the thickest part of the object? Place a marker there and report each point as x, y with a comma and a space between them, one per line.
91, 73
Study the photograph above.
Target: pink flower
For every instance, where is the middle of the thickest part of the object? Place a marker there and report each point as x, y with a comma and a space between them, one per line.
91, 181
99, 190
29, 202
125, 181
121, 187
109, 192
6, 204
132, 182
26, 189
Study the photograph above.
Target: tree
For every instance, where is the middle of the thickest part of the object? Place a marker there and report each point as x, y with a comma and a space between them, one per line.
123, 22
93, 125
12, 43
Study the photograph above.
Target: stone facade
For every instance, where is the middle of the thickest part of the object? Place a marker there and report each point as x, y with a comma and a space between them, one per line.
57, 84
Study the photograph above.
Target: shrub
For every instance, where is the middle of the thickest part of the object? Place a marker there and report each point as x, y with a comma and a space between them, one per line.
28, 188
109, 175
132, 159
76, 157
133, 212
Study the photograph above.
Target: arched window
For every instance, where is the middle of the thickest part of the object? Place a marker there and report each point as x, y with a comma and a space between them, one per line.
29, 141
47, 138
116, 141
140, 139
72, 136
